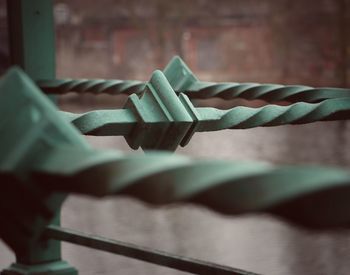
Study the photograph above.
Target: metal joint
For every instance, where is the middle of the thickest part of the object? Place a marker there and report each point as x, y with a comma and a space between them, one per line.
165, 120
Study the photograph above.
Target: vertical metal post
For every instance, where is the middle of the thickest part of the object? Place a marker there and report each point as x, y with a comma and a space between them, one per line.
32, 47
31, 33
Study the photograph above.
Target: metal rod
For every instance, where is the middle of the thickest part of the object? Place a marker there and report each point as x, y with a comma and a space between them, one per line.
199, 90
273, 115
121, 122
182, 80
103, 122
32, 37
267, 92
95, 86
141, 253
32, 47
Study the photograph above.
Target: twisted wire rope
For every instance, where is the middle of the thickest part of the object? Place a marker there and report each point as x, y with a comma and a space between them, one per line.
224, 186
122, 121
200, 90
266, 92
95, 86
274, 115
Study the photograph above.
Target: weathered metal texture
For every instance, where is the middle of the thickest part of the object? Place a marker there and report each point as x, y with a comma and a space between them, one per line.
160, 119
164, 119
36, 140
43, 158
52, 156
183, 80
42, 155
94, 86
273, 115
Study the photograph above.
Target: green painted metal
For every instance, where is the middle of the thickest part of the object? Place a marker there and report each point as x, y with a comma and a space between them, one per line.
44, 155
32, 37
32, 47
182, 80
51, 155
165, 120
38, 143
160, 119
93, 86
43, 158
27, 130
48, 268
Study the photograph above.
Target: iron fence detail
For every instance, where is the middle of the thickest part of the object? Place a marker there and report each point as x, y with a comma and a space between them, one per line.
94, 86
44, 158
42, 153
184, 81
64, 162
173, 119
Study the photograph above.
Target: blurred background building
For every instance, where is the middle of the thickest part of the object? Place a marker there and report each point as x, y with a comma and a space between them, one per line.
275, 41
241, 40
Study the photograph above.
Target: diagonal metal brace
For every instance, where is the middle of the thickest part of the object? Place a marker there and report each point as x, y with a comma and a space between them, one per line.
162, 258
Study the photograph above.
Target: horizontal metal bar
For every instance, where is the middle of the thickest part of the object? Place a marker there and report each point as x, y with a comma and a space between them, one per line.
103, 122
273, 115
183, 80
140, 253
227, 187
200, 90
95, 86
42, 149
267, 92
121, 122
161, 119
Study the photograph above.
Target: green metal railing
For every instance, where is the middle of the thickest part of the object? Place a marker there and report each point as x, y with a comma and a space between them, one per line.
44, 158
182, 80
173, 120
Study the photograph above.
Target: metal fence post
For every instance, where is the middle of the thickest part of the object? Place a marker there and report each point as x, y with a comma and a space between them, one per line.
32, 47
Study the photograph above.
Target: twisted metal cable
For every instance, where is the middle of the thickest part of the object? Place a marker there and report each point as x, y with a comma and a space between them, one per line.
48, 155
122, 121
266, 92
227, 187
65, 162
200, 90
95, 86
273, 115
184, 80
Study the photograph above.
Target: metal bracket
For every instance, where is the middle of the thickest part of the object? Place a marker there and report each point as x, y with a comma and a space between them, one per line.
165, 120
